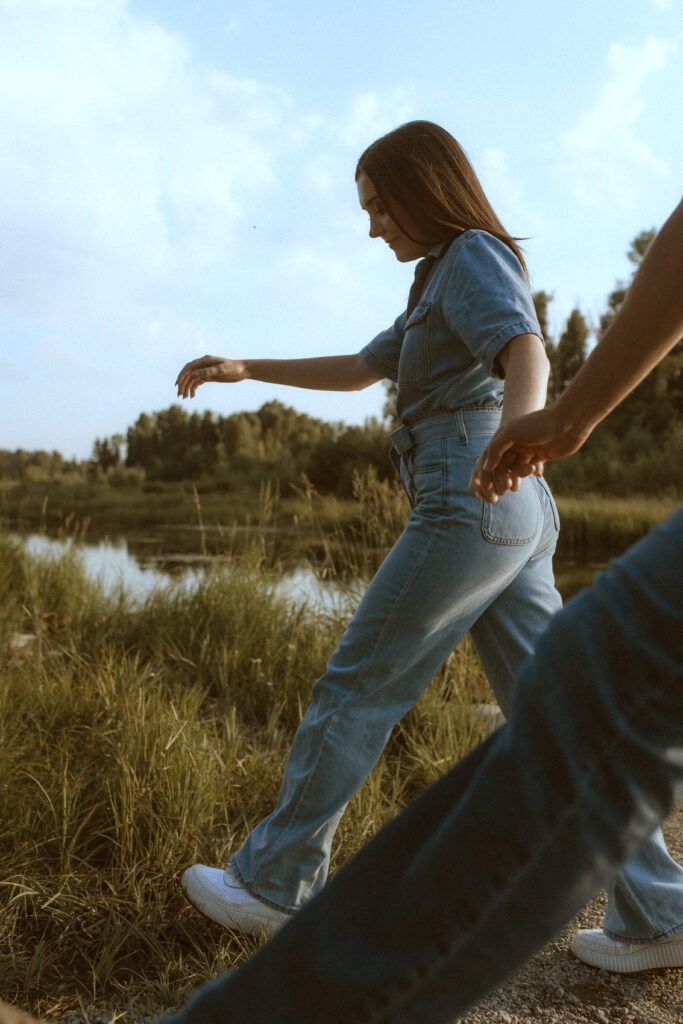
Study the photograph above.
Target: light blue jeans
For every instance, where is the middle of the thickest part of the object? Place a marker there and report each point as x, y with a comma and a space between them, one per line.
490, 862
458, 566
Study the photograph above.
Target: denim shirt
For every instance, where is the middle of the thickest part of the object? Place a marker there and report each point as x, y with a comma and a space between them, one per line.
475, 300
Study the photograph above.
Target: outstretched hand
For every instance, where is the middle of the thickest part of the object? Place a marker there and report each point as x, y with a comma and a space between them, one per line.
207, 368
518, 449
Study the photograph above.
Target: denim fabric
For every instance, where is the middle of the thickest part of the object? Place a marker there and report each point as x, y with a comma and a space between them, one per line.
459, 565
475, 300
489, 863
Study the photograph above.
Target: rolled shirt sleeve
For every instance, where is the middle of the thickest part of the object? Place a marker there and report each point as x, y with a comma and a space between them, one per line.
486, 299
384, 351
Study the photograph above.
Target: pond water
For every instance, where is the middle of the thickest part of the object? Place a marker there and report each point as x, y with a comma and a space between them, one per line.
115, 565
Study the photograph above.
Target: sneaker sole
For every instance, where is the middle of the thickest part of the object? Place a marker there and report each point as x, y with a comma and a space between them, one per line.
204, 901
661, 955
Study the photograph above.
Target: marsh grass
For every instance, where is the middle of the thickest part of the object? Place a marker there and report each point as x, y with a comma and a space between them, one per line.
138, 738
597, 527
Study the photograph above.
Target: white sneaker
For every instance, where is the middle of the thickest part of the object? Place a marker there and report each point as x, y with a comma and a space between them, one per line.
219, 896
597, 949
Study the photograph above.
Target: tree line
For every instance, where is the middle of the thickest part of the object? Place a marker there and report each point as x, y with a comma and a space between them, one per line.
243, 449
639, 448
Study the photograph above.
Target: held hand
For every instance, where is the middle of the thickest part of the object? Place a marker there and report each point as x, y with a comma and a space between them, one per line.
489, 485
207, 368
520, 448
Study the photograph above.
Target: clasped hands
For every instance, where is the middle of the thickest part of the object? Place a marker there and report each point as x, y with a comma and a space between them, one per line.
521, 448
495, 474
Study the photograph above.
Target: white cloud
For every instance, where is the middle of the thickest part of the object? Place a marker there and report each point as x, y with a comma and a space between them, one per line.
128, 168
509, 193
319, 278
323, 174
602, 154
118, 151
372, 114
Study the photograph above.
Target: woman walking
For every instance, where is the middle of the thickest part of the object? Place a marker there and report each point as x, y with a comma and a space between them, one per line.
466, 351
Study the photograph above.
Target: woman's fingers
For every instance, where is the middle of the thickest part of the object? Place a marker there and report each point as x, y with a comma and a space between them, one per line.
196, 364
187, 385
491, 484
483, 484
197, 372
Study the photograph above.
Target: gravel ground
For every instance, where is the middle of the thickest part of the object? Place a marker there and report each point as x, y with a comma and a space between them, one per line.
554, 987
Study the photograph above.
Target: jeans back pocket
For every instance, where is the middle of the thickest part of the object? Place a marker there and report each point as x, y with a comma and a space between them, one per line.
514, 518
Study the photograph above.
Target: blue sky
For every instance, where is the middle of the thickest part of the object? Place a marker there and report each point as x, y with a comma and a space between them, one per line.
176, 178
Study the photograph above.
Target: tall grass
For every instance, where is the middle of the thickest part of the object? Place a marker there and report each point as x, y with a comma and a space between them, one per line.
137, 739
595, 526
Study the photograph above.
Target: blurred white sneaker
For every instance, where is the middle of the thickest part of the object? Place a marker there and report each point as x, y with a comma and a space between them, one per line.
597, 949
218, 895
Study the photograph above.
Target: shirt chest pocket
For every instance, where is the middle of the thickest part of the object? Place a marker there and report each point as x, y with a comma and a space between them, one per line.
413, 364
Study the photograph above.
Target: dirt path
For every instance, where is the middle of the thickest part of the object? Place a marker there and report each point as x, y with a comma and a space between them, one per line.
556, 988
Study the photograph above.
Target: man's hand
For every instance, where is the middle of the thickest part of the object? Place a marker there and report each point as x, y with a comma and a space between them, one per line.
520, 448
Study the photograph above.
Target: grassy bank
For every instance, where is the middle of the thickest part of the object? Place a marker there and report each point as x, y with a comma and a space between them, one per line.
179, 518
135, 741
595, 526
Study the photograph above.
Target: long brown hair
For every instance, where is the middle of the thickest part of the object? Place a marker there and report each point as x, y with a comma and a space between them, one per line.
421, 168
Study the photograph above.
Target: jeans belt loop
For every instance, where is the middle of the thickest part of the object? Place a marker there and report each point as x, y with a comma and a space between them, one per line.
462, 430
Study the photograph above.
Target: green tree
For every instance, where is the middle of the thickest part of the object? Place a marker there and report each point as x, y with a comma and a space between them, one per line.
332, 464
240, 434
106, 453
389, 408
569, 356
541, 302
655, 408
209, 432
638, 447
143, 445
636, 251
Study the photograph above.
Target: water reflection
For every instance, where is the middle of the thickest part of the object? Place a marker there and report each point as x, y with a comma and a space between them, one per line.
116, 563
